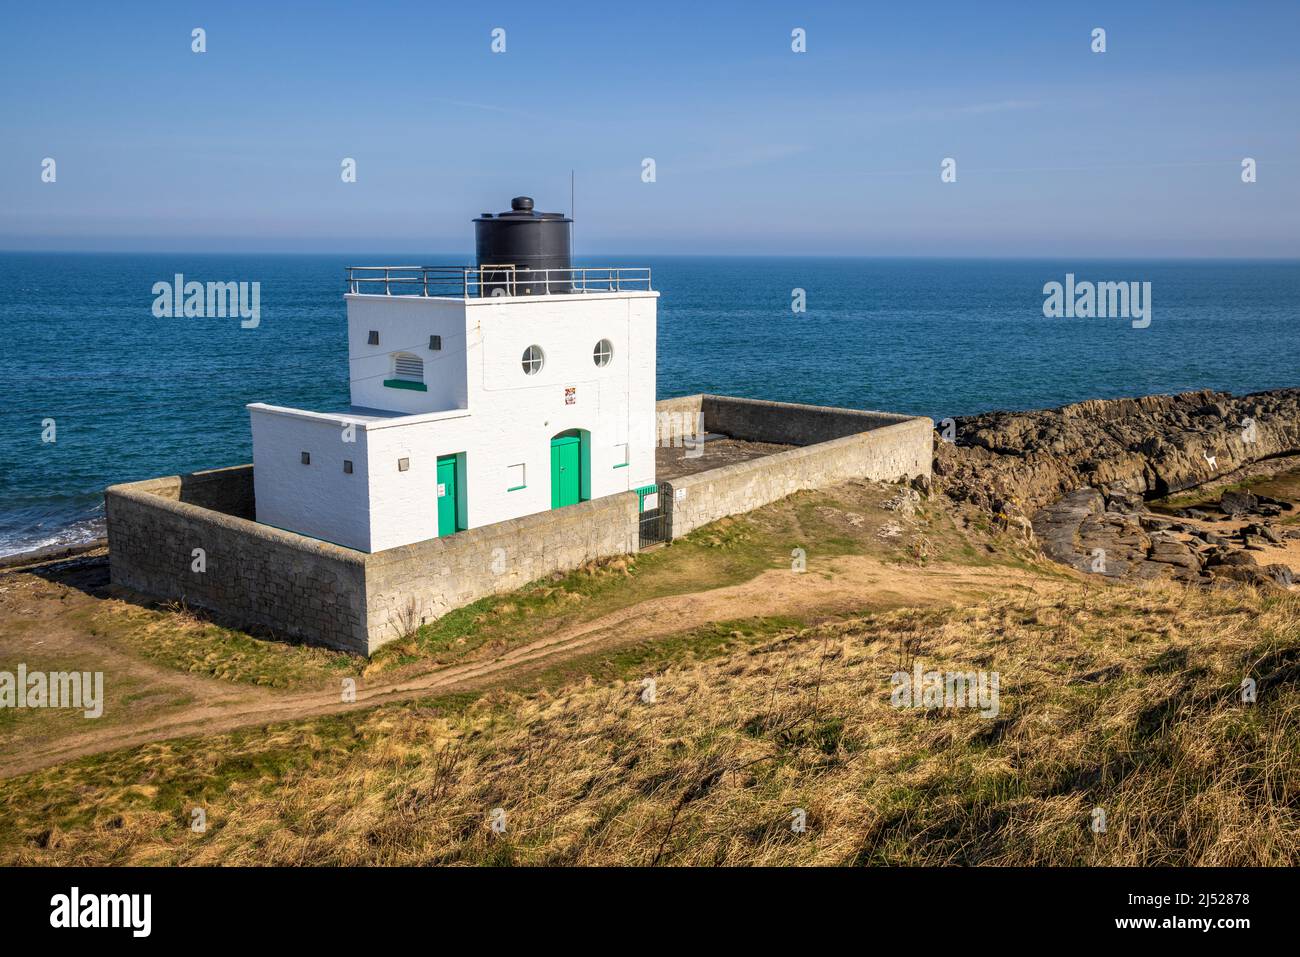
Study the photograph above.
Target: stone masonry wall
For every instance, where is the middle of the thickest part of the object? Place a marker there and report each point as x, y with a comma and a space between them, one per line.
787, 423
423, 581
228, 490
756, 420
255, 575
890, 453
302, 588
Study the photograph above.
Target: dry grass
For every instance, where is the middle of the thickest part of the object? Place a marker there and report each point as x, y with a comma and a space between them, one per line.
1124, 698
177, 636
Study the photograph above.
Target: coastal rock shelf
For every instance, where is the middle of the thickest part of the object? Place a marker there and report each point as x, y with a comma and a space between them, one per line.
1020, 462
1107, 536
1085, 472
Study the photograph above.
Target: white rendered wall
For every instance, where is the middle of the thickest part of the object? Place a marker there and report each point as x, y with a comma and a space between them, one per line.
513, 416
404, 324
318, 499
520, 412
404, 505
643, 386
506, 418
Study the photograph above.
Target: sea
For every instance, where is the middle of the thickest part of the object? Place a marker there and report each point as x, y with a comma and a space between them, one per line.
97, 389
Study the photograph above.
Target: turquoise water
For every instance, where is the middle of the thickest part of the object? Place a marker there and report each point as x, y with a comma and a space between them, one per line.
134, 396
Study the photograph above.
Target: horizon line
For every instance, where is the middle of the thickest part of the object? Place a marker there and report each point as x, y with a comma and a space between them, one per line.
972, 257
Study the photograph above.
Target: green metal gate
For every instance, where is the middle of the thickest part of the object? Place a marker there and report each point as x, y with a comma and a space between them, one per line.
656, 524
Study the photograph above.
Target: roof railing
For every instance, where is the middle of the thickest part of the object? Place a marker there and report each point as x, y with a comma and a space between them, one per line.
505, 279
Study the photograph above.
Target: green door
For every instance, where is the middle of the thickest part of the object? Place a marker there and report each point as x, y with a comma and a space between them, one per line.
447, 496
566, 470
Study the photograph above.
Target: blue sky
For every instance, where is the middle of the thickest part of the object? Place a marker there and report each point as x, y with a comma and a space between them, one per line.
759, 150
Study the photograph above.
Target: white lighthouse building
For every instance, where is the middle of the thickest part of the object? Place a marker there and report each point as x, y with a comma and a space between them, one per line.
478, 394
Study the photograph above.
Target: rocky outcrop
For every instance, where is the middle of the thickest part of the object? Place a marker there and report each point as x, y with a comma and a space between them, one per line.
1106, 536
1020, 462
1084, 472
1083, 531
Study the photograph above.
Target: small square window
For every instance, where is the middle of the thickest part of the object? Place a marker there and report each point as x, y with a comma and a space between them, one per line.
306, 458
347, 466
620, 455
435, 343
374, 338
515, 477
403, 464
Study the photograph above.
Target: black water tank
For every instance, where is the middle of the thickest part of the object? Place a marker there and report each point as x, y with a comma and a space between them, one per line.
526, 240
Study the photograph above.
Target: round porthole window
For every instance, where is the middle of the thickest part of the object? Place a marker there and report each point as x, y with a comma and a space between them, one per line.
533, 360
603, 352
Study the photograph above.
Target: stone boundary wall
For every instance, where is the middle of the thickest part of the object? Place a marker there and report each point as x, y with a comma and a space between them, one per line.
787, 423
890, 453
756, 420
835, 445
255, 575
228, 490
426, 580
303, 588
682, 408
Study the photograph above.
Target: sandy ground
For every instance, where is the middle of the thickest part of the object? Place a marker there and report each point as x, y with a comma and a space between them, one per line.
846, 584
1266, 553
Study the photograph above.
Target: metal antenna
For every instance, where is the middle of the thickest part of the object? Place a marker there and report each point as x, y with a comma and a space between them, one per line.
572, 192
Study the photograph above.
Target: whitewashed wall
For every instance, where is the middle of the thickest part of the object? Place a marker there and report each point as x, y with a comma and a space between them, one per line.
517, 411
319, 499
404, 324
404, 505
494, 413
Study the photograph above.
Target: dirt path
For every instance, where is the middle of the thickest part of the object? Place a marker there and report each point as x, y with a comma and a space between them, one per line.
854, 583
